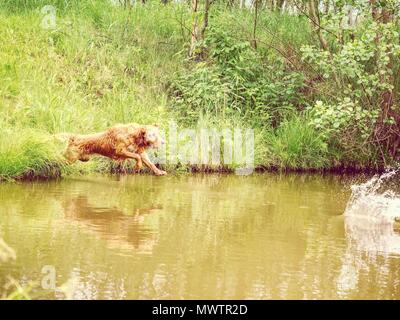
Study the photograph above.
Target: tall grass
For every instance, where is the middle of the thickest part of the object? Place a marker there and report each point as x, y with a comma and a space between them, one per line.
296, 145
105, 64
97, 68
28, 153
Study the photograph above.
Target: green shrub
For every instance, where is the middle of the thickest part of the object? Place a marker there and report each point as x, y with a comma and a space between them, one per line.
200, 92
297, 145
234, 79
357, 75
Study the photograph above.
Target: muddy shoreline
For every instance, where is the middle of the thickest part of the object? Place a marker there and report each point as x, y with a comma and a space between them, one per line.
56, 172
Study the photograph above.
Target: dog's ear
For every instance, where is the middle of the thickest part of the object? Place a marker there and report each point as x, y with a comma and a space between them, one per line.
140, 137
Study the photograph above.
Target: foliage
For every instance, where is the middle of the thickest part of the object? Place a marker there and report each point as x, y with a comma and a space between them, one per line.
360, 72
106, 64
297, 145
346, 116
235, 80
200, 91
360, 65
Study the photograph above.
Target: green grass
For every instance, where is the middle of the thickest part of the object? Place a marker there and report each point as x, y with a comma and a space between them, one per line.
83, 76
100, 66
296, 145
28, 153
104, 64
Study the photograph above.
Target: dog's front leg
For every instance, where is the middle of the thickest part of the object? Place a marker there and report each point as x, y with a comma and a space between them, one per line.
151, 165
139, 164
131, 155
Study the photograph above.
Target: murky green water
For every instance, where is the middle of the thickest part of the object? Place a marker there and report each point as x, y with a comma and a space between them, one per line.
264, 236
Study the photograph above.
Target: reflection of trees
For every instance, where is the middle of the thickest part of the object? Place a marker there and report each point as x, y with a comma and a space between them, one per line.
263, 236
249, 235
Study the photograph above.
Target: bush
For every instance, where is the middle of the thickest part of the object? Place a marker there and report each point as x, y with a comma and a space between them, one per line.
297, 145
357, 75
200, 92
234, 79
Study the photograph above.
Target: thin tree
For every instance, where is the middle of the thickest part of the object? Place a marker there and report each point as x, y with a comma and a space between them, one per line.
254, 40
198, 33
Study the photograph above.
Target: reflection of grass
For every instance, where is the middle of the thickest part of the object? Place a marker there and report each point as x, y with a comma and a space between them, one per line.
19, 292
6, 252
13, 289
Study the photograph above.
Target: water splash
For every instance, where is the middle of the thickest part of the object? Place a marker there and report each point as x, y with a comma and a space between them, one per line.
371, 215
370, 219
366, 202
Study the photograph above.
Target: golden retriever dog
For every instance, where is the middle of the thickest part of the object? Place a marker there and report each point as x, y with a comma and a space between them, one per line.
121, 142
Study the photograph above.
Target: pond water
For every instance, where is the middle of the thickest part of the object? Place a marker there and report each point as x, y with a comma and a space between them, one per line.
264, 236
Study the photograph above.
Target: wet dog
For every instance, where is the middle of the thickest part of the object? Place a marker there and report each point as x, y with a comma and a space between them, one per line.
121, 142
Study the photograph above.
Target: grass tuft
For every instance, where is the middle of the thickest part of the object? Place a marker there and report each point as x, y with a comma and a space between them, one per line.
29, 154
296, 145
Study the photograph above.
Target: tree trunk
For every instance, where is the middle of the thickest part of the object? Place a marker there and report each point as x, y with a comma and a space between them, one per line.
312, 8
283, 6
195, 7
197, 33
205, 18
327, 5
254, 40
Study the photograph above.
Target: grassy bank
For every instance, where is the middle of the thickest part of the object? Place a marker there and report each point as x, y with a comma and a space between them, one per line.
27, 153
104, 64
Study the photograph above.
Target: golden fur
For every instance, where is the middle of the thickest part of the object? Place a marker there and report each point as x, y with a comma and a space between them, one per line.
121, 142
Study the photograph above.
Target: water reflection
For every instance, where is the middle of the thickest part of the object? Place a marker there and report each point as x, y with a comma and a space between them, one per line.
208, 237
371, 237
119, 230
370, 232
372, 254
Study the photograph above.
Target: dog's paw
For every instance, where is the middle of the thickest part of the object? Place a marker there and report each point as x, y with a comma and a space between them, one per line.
161, 173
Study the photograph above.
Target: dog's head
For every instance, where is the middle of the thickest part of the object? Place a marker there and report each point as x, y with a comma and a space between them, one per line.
149, 136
